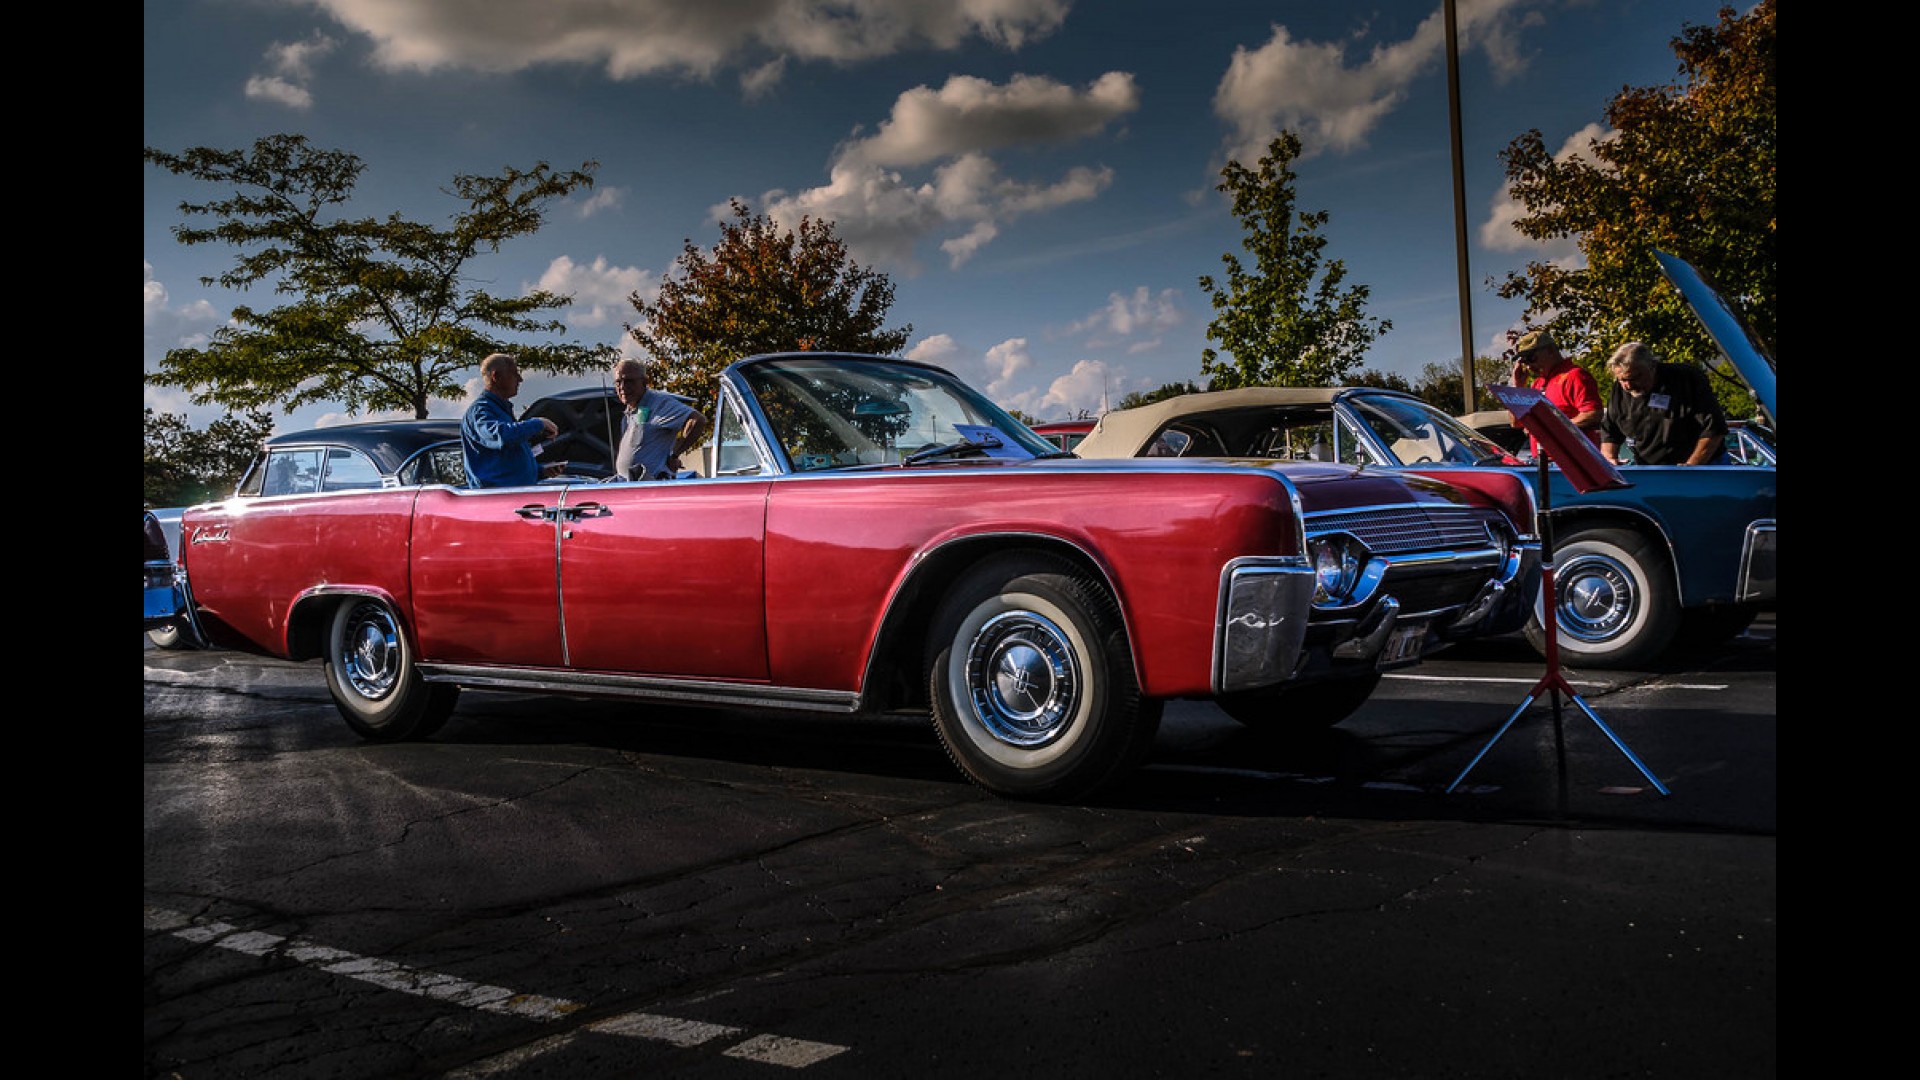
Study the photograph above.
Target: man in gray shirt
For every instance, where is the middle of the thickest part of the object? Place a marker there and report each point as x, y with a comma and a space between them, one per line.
656, 428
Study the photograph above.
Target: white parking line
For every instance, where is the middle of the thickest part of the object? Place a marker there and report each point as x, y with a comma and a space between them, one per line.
1575, 682
767, 1049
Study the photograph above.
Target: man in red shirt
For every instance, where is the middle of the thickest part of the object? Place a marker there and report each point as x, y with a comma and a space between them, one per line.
1539, 363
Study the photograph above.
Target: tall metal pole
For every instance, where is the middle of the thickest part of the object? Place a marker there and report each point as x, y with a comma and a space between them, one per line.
1460, 212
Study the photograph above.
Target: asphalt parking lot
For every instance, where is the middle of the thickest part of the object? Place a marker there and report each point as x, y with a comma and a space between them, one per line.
569, 887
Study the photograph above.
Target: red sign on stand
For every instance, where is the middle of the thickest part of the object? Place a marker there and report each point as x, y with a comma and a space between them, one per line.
1567, 446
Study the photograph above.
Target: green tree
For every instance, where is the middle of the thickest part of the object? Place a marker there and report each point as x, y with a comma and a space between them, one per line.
1386, 380
1281, 327
185, 466
1686, 168
383, 312
762, 289
1148, 397
1439, 384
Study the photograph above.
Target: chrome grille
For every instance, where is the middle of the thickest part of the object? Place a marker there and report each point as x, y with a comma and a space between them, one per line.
1397, 530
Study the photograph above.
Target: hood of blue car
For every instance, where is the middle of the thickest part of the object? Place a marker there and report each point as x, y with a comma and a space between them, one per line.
1727, 329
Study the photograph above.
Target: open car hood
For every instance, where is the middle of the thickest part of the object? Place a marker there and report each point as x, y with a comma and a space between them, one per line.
1737, 343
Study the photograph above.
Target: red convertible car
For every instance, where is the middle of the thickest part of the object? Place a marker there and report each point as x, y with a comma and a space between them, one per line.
865, 535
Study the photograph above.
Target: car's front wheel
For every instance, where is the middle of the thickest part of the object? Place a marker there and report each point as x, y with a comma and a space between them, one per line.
1615, 598
1032, 681
373, 679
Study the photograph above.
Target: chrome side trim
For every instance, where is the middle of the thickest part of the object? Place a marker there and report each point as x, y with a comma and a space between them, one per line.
1262, 622
643, 687
1757, 564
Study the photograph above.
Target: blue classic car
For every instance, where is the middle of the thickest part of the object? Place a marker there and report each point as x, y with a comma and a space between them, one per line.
1683, 557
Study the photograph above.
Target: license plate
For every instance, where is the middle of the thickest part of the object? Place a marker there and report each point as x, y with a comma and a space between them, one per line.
1403, 645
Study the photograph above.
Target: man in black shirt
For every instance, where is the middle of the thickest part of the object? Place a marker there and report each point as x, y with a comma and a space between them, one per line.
1668, 410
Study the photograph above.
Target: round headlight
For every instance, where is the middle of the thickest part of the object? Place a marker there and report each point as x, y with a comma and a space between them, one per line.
1336, 567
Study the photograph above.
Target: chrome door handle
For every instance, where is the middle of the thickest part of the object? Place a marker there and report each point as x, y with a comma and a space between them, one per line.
531, 511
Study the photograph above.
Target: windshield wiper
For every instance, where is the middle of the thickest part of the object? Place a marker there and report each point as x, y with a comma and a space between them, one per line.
928, 453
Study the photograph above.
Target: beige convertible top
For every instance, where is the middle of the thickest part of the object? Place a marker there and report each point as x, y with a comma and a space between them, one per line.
1124, 432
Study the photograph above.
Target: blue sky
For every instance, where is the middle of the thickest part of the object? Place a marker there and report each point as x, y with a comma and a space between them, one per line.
1035, 176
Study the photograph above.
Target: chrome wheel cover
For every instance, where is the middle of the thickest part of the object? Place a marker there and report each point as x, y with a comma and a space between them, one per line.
370, 651
1023, 679
1598, 600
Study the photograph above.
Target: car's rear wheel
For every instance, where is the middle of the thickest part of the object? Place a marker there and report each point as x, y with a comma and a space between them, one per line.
170, 637
1615, 598
373, 679
1032, 681
1301, 708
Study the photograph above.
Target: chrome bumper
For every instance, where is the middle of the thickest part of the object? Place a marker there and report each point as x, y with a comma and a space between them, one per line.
1266, 609
1265, 605
1757, 573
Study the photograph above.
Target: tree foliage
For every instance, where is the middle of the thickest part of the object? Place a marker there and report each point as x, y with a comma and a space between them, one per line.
761, 289
382, 313
1148, 397
1685, 168
185, 466
1439, 384
1281, 326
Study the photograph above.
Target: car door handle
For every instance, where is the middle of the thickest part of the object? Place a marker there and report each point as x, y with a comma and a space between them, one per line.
533, 511
589, 510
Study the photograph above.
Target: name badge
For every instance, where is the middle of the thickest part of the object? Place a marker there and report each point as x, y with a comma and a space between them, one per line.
1659, 401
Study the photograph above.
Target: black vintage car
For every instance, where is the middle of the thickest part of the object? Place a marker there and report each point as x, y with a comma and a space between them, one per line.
381, 453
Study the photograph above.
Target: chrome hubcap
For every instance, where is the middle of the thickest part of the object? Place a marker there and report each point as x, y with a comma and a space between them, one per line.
1023, 679
370, 651
1597, 598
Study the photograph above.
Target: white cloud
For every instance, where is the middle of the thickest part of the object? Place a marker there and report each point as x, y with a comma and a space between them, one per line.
631, 38
1309, 87
600, 290
1497, 232
882, 215
968, 115
759, 82
189, 326
1082, 389
938, 349
1137, 320
606, 198
1005, 362
291, 67
274, 88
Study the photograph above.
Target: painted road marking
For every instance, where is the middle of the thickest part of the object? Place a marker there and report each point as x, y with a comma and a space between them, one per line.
1575, 682
766, 1049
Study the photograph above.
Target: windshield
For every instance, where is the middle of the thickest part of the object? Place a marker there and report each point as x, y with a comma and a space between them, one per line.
835, 412
1416, 433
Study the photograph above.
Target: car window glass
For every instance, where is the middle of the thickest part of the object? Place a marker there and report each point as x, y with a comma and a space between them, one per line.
1306, 439
1169, 443
256, 475
349, 470
292, 472
1349, 448
436, 465
734, 452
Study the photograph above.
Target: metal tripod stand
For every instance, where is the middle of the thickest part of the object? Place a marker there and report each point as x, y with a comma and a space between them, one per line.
1553, 682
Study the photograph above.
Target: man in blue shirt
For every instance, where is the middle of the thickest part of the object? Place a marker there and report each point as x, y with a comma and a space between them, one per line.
497, 448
